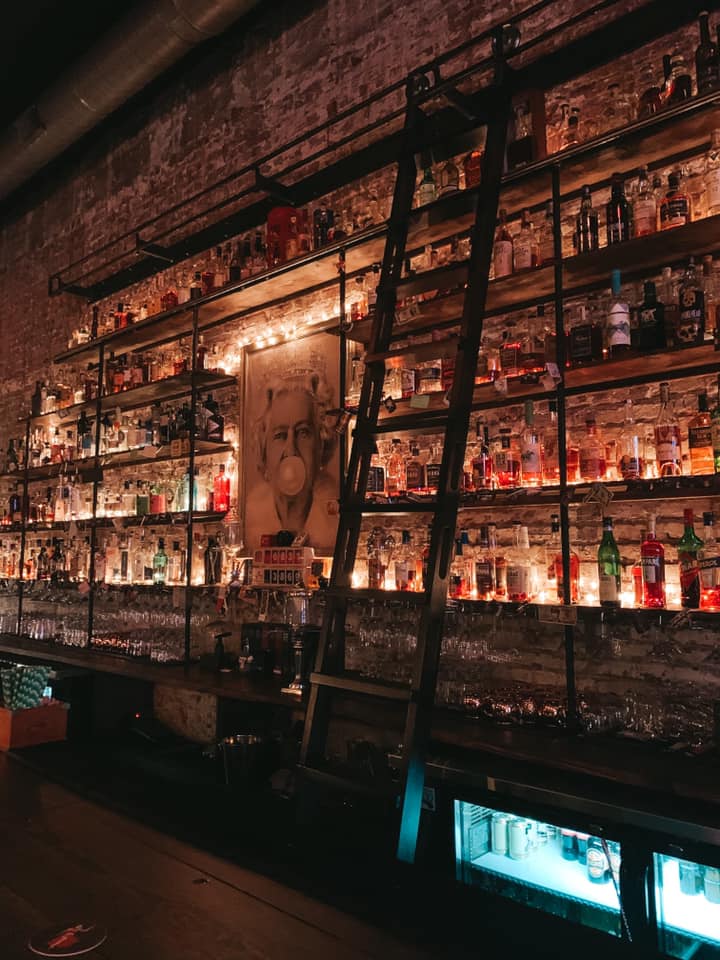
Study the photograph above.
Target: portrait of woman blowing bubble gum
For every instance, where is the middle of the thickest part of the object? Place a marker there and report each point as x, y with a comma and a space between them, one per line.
294, 445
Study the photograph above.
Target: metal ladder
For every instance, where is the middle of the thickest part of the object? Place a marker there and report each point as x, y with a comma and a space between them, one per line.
328, 676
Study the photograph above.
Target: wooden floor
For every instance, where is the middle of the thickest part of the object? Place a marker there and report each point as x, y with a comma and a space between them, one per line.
63, 859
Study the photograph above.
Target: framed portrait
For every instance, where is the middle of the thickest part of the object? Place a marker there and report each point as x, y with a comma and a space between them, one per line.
291, 456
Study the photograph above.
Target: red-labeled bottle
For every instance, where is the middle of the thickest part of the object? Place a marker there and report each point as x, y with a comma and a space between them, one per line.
652, 562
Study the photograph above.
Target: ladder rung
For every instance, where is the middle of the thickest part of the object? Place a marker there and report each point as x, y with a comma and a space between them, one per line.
440, 279
383, 596
370, 688
396, 507
430, 350
339, 782
422, 420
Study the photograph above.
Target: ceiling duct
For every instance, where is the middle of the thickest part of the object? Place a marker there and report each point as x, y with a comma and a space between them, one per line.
139, 48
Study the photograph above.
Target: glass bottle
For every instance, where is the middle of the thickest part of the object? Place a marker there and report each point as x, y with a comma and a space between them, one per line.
426, 189
584, 336
649, 103
609, 568
715, 431
587, 230
525, 248
617, 212
159, 564
396, 482
531, 450
407, 564
472, 166
432, 468
221, 491
690, 328
652, 564
520, 567
481, 464
678, 86
668, 448
644, 206
707, 60
712, 175
521, 149
651, 320
415, 471
380, 548
669, 294
709, 563
550, 452
700, 440
593, 462
689, 548
459, 582
503, 250
630, 462
376, 475
485, 563
507, 461
675, 210
449, 178
546, 241
618, 320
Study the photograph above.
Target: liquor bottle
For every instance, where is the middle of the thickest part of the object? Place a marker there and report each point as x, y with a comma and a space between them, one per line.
593, 462
522, 148
550, 452
407, 564
690, 328
415, 471
449, 178
715, 431
546, 241
472, 167
707, 59
675, 210
587, 231
708, 282
221, 491
432, 468
552, 552
426, 188
652, 563
555, 573
712, 175
617, 212
702, 460
503, 250
670, 302
485, 563
531, 450
609, 569
618, 320
196, 286
525, 247
520, 567
689, 548
481, 464
649, 103
709, 563
396, 482
585, 339
644, 206
678, 86
507, 461
668, 449
459, 582
651, 320
630, 461
214, 422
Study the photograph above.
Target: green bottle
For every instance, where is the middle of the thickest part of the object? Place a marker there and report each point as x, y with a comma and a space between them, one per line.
715, 431
160, 561
609, 567
688, 549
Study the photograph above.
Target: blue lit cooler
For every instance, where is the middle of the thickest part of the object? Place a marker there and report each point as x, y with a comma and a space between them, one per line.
555, 869
687, 901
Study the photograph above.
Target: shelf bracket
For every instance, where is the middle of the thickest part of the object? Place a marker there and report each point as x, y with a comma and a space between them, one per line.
462, 103
278, 191
153, 250
56, 286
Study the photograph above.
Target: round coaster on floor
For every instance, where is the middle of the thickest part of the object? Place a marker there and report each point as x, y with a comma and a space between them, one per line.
69, 940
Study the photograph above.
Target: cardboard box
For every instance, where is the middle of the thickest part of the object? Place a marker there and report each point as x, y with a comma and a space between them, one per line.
26, 728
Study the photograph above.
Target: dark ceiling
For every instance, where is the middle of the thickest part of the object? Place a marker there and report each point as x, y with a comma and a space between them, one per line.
40, 38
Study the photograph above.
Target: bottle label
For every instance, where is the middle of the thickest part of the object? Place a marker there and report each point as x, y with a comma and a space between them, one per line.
523, 253
690, 325
433, 474
647, 318
618, 326
481, 472
402, 574
581, 342
591, 467
710, 571
652, 569
608, 586
689, 576
485, 576
518, 581
597, 864
531, 458
376, 480
645, 216
700, 437
712, 185
667, 444
415, 475
503, 258
674, 212
617, 231
630, 467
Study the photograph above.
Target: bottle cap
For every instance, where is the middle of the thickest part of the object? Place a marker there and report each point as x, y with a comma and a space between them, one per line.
615, 281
